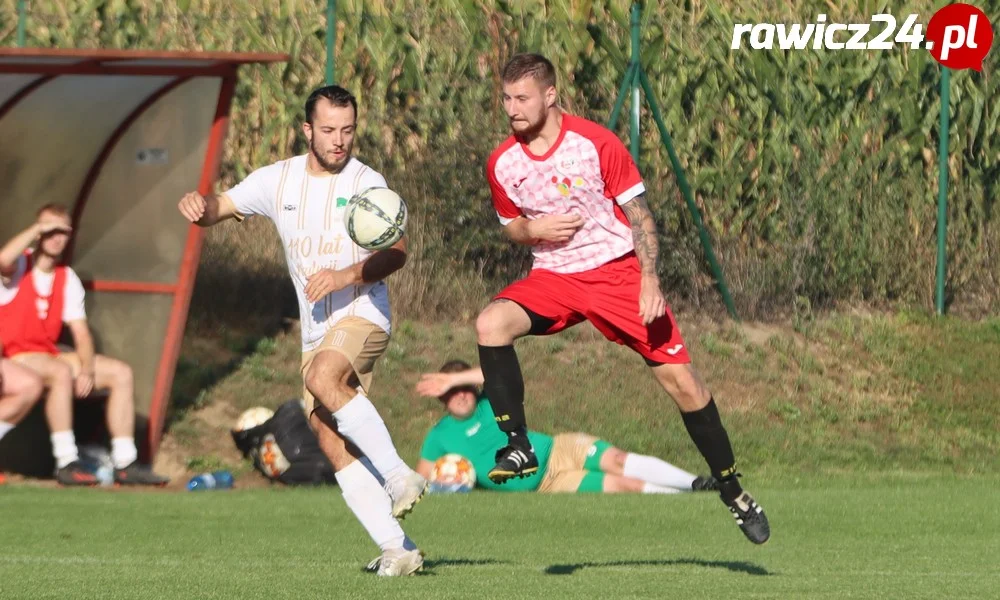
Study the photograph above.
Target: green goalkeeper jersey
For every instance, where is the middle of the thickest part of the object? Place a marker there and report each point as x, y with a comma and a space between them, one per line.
478, 438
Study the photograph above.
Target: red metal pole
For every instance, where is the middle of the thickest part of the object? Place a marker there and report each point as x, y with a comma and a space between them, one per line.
188, 271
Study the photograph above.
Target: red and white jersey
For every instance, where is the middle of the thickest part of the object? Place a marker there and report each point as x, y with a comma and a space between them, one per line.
587, 172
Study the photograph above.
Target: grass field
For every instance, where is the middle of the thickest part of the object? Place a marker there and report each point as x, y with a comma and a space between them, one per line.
903, 536
838, 393
871, 440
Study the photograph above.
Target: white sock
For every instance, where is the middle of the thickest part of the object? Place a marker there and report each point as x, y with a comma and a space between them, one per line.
652, 488
5, 428
64, 448
657, 471
359, 422
123, 452
370, 505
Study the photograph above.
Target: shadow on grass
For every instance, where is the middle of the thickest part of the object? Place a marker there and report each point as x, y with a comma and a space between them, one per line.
430, 565
733, 566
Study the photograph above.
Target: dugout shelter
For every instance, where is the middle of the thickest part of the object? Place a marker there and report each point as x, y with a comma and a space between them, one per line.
118, 137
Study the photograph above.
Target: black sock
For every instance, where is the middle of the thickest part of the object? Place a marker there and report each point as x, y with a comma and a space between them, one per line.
504, 386
519, 439
706, 430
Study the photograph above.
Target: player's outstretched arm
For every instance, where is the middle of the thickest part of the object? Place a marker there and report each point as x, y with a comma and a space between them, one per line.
206, 211
382, 263
652, 304
436, 384
376, 267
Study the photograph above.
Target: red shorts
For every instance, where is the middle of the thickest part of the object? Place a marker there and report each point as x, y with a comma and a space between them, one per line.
608, 297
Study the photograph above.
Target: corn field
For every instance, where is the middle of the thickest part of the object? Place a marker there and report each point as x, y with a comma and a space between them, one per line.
815, 170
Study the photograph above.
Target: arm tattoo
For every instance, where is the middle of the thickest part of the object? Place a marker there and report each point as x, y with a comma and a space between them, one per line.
647, 246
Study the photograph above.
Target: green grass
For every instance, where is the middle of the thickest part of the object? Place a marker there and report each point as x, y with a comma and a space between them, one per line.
840, 537
876, 393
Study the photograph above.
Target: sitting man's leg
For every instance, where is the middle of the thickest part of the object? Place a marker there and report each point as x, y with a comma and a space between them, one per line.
115, 376
57, 376
337, 374
20, 388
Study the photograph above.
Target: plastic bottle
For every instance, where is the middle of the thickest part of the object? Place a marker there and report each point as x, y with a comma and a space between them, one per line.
219, 480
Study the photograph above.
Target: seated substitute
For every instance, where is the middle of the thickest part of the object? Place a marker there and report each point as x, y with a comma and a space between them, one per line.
37, 296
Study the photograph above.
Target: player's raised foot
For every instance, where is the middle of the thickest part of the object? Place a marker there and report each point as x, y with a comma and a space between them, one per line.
405, 491
76, 473
750, 517
705, 483
513, 462
397, 563
136, 474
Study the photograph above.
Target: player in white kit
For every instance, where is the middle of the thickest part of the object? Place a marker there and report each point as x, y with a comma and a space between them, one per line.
344, 310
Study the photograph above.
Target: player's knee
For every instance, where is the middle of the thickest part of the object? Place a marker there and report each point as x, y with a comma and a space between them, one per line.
60, 374
34, 388
680, 382
614, 459
315, 381
325, 380
492, 327
123, 375
31, 390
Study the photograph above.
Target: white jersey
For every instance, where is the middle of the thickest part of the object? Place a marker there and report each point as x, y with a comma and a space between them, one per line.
308, 210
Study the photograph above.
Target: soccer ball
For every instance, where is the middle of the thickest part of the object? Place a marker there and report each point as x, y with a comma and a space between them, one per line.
376, 218
253, 417
452, 473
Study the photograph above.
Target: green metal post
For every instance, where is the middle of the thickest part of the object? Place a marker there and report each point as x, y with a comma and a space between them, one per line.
682, 182
22, 15
331, 38
633, 133
626, 84
942, 221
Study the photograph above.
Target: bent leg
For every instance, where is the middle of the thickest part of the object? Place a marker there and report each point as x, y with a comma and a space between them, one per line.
20, 388
115, 377
703, 423
498, 325
362, 492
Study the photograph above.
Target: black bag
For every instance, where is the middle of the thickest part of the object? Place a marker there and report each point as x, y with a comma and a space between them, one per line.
284, 448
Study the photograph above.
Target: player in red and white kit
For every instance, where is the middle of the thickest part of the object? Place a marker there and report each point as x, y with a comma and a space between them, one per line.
568, 188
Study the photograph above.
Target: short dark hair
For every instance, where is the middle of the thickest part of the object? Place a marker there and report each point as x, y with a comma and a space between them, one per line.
455, 366
55, 209
533, 65
335, 94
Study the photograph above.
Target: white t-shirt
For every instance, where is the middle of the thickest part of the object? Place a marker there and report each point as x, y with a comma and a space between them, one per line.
307, 210
73, 305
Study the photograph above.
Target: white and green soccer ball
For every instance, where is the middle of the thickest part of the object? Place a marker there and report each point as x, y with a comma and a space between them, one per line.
376, 218
253, 417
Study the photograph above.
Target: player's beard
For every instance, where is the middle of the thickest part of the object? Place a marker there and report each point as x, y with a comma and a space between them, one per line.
529, 132
323, 162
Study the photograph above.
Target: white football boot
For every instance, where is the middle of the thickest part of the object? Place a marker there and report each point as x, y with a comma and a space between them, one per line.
405, 492
397, 563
